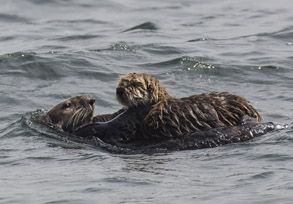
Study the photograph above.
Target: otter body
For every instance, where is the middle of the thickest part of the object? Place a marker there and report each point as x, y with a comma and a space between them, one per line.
172, 117
107, 117
127, 132
175, 117
124, 128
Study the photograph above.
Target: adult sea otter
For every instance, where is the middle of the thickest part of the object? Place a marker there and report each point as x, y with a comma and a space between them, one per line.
124, 129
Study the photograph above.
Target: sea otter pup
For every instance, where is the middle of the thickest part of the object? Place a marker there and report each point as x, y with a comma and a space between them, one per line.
172, 117
71, 114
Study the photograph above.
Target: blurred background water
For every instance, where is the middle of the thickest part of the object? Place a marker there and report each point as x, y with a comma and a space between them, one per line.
52, 50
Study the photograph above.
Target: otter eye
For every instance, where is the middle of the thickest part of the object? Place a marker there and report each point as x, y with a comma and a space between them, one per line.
66, 105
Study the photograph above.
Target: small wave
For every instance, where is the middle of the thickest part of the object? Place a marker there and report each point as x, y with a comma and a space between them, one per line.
161, 49
198, 40
167, 63
144, 26
121, 46
78, 37
266, 67
191, 63
7, 131
6, 18
44, 2
29, 64
83, 21
156, 49
6, 38
29, 121
17, 56
185, 63
284, 34
263, 175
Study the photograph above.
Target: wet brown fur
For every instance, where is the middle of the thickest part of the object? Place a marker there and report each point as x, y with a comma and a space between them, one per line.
171, 117
107, 117
71, 113
140, 89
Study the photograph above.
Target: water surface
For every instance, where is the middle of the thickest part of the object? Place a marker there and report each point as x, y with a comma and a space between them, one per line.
52, 50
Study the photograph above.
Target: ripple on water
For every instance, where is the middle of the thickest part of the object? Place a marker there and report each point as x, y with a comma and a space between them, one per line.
127, 181
243, 46
76, 21
78, 37
283, 34
147, 26
123, 47
30, 65
119, 47
7, 18
198, 65
263, 175
193, 63
158, 49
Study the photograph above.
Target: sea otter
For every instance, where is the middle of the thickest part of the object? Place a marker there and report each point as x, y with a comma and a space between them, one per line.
126, 133
172, 117
124, 130
75, 112
70, 114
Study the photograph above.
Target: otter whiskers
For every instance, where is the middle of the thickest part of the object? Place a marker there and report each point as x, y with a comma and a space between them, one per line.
80, 116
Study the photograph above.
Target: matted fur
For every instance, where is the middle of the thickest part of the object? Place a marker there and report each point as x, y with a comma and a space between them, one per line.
171, 117
107, 117
174, 117
136, 89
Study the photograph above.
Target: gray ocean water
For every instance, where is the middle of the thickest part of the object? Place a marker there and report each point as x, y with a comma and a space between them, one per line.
52, 50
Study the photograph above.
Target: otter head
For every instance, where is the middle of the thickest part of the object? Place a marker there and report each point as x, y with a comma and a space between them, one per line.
72, 113
136, 89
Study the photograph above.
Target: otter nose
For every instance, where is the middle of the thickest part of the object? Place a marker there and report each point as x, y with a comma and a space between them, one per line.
119, 90
92, 101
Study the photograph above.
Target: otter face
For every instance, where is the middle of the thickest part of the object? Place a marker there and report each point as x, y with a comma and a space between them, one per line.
136, 89
72, 113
